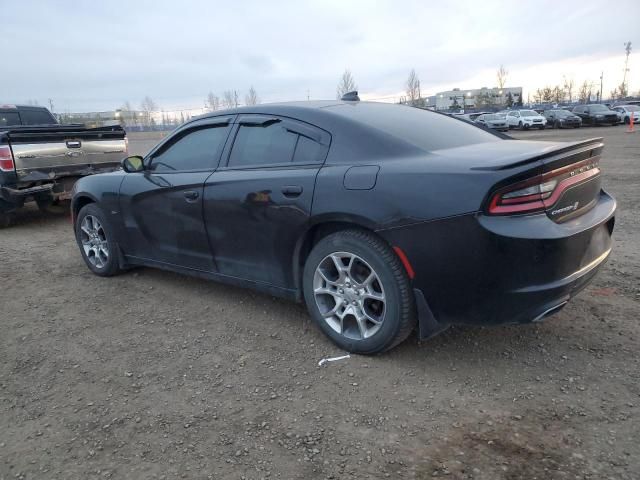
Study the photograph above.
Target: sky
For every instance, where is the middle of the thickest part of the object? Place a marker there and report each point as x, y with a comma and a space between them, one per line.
94, 56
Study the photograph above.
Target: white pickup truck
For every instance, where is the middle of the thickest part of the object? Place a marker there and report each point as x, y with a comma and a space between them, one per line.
40, 160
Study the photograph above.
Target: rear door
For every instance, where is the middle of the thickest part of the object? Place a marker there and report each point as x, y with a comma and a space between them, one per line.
258, 204
162, 206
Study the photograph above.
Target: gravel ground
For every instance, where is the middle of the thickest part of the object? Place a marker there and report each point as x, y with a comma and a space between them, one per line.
155, 375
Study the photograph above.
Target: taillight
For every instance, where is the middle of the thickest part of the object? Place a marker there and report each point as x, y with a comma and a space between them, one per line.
542, 191
6, 159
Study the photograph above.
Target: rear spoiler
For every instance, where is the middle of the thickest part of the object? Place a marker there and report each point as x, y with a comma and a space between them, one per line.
573, 147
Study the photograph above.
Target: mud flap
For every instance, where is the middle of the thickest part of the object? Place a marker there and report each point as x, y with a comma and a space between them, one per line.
428, 326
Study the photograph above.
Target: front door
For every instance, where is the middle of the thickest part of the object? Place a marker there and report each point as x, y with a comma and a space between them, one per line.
258, 204
162, 206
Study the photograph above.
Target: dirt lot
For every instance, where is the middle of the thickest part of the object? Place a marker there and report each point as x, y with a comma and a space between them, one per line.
155, 375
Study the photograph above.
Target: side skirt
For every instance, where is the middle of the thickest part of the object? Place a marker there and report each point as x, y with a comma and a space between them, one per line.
290, 294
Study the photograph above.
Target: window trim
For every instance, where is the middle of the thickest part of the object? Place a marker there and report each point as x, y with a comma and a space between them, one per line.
181, 132
271, 119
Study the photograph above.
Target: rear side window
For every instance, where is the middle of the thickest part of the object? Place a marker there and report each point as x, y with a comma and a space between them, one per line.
192, 150
36, 117
276, 142
9, 119
422, 128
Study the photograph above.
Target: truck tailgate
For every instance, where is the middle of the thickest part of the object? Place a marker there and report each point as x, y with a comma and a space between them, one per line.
50, 153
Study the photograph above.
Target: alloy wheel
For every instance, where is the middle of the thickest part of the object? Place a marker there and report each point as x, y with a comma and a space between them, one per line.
349, 295
94, 241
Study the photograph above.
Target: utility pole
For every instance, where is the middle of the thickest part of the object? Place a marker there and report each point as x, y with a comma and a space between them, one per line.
627, 49
51, 105
308, 94
600, 96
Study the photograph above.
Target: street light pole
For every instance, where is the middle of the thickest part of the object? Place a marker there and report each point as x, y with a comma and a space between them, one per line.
601, 76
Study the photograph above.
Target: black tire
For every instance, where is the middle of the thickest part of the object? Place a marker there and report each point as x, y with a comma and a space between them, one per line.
557, 124
6, 219
399, 317
111, 265
47, 204
627, 121
541, 127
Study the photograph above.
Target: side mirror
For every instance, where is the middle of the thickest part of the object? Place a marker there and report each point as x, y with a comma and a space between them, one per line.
133, 164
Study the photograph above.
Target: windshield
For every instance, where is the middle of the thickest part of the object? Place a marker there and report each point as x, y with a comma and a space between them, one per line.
528, 113
562, 113
493, 117
632, 108
598, 108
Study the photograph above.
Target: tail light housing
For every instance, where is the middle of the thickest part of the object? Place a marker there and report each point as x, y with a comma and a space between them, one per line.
542, 191
6, 159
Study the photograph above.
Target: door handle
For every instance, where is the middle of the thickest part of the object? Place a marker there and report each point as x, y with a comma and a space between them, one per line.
292, 190
191, 195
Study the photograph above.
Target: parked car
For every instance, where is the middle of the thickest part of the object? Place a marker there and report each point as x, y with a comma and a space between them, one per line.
493, 121
596, 114
626, 111
559, 118
41, 160
379, 216
525, 119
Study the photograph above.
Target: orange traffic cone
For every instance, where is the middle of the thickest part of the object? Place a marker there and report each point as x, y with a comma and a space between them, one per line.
630, 129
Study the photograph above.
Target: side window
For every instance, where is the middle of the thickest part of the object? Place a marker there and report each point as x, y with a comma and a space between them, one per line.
36, 117
197, 149
275, 142
264, 144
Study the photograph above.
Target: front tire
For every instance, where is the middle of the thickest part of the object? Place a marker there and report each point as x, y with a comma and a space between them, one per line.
95, 239
358, 293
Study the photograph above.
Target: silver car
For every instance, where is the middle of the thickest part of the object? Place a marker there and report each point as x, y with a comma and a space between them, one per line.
494, 121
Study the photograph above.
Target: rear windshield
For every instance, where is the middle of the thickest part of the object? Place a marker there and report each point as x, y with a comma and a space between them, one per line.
422, 128
36, 117
9, 119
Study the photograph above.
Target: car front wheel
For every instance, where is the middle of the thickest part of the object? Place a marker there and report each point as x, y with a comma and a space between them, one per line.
95, 239
358, 293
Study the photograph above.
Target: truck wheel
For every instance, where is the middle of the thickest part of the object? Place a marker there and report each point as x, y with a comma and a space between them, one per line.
50, 205
358, 293
6, 219
95, 239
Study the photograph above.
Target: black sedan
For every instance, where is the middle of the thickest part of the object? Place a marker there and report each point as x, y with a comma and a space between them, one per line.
381, 217
596, 114
559, 118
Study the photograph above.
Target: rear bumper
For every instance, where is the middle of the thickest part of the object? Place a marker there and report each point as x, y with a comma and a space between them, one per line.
483, 270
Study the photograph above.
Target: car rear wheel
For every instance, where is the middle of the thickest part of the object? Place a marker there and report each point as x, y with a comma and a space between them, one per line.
95, 239
358, 293
520, 126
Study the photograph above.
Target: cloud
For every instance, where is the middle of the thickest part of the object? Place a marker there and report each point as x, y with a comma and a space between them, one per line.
96, 55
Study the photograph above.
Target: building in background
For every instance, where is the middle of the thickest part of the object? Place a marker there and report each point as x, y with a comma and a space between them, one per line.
475, 98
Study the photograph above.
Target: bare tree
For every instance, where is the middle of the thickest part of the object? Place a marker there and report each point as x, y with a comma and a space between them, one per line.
547, 94
584, 93
413, 88
230, 99
569, 84
501, 75
126, 114
251, 98
558, 94
148, 106
614, 93
622, 90
213, 102
346, 84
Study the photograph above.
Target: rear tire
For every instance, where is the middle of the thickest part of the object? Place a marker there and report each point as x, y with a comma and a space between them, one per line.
95, 239
6, 219
48, 204
358, 292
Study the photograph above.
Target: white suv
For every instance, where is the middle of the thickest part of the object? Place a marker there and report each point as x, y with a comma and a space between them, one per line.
525, 119
625, 112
